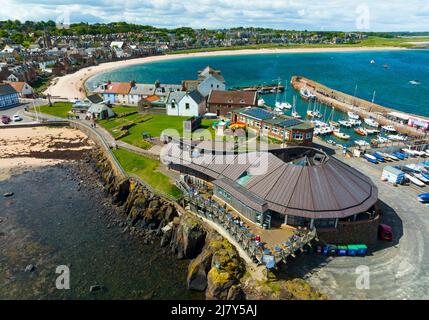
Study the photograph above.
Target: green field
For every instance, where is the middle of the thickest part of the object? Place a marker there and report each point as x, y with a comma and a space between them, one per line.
146, 169
58, 109
152, 124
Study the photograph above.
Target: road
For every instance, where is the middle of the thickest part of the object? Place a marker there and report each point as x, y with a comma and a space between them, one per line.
398, 270
20, 111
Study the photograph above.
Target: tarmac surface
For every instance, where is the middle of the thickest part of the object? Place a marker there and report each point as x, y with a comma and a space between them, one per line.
398, 269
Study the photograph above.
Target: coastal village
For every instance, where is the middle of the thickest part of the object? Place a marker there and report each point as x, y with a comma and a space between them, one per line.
275, 184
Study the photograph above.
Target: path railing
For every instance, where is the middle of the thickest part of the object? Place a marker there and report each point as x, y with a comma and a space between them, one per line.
213, 211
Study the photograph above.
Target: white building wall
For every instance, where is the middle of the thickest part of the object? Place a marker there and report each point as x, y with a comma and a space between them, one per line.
181, 110
210, 83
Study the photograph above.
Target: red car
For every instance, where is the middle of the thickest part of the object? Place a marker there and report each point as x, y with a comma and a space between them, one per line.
385, 232
5, 119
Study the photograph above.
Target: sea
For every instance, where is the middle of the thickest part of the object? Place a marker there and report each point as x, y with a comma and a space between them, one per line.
387, 81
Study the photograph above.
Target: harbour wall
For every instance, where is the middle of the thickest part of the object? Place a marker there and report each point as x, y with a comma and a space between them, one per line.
345, 102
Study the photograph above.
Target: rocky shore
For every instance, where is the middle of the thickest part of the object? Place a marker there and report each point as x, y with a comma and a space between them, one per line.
215, 267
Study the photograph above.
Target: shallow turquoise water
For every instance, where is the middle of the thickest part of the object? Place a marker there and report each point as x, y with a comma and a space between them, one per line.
343, 71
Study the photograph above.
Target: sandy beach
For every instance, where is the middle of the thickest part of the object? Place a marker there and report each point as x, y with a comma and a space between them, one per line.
70, 86
24, 149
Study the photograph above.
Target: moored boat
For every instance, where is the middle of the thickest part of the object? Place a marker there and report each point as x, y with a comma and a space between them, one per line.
341, 135
361, 143
389, 129
261, 102
355, 122
371, 122
306, 94
353, 115
345, 123
361, 131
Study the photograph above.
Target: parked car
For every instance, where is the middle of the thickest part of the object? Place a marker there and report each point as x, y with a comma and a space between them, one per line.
16, 117
5, 119
385, 232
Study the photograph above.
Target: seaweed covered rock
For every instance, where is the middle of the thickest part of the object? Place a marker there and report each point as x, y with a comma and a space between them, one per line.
201, 265
189, 237
223, 279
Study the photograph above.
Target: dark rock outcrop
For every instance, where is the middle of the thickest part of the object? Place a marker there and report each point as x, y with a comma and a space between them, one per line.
188, 238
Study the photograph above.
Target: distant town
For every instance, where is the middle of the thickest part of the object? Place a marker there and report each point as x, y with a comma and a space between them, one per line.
33, 53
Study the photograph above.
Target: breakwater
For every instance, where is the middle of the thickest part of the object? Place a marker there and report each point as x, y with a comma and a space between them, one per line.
345, 102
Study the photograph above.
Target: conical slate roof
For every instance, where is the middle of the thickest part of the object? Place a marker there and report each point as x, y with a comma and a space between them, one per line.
312, 189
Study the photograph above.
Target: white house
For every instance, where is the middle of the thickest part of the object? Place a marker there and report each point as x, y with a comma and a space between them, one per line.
211, 82
181, 103
23, 88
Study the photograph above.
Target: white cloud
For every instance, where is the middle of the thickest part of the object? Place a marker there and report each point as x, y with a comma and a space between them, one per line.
393, 15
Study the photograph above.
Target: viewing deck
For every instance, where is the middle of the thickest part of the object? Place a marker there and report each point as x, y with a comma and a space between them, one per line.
261, 245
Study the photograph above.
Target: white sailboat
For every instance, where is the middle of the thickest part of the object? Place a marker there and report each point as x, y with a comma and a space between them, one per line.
353, 115
282, 104
295, 114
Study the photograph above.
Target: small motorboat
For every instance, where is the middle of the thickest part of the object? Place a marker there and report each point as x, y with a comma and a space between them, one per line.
345, 123
424, 197
261, 102
414, 180
306, 94
415, 82
361, 131
341, 135
371, 122
381, 139
355, 122
361, 143
372, 62
331, 142
389, 129
372, 131
370, 158
353, 115
334, 123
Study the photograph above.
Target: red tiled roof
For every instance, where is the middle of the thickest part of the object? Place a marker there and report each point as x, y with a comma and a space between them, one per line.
119, 88
18, 86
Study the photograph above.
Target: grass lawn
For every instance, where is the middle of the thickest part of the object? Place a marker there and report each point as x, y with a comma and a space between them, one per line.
153, 124
58, 109
123, 110
146, 169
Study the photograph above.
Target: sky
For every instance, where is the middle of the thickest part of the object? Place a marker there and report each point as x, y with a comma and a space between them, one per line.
344, 15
